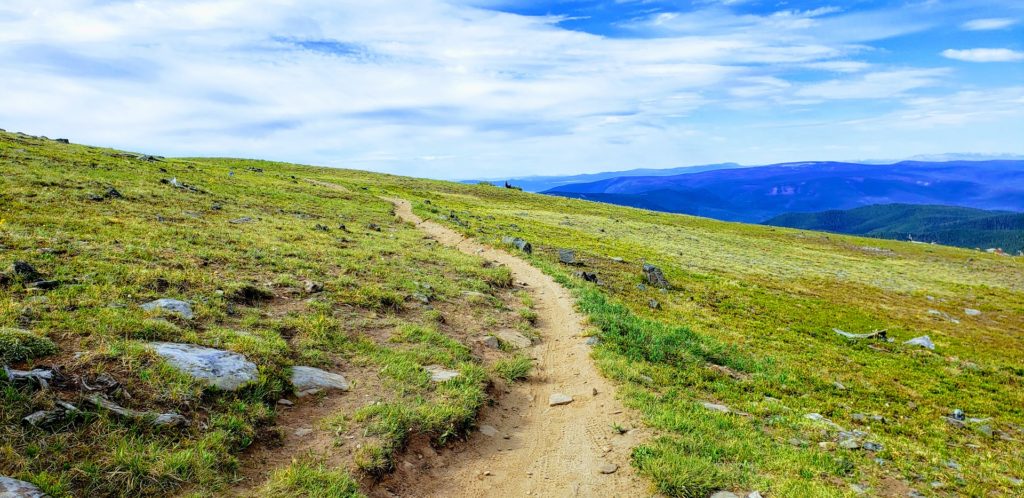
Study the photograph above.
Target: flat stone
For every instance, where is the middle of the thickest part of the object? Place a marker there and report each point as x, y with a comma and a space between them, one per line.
174, 306
490, 341
608, 468
303, 432
618, 259
440, 374
515, 339
285, 402
309, 380
923, 341
716, 407
849, 444
971, 312
557, 399
724, 494
592, 341
222, 369
754, 494
488, 430
13, 488
567, 256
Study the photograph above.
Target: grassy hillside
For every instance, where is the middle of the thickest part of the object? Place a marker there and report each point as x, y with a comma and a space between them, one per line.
949, 225
247, 283
747, 324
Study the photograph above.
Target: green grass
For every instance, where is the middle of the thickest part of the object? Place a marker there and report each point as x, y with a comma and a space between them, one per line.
246, 283
304, 479
747, 323
514, 369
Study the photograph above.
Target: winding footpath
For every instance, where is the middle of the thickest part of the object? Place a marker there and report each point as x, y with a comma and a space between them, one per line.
535, 449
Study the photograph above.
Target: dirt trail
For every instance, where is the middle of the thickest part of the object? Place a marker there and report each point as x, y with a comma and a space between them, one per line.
538, 450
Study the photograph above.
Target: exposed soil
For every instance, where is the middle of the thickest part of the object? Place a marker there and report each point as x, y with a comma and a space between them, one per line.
537, 450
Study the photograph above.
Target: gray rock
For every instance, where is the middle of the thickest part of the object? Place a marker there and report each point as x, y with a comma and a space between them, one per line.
608, 468
592, 341
518, 243
878, 334
859, 489
859, 417
242, 220
873, 446
222, 369
618, 260
285, 402
557, 399
754, 494
303, 432
715, 407
13, 488
24, 271
654, 304
309, 380
849, 444
971, 312
157, 419
490, 341
488, 430
567, 257
724, 494
514, 339
923, 341
313, 287
839, 385
655, 276
174, 306
587, 276
440, 374
958, 414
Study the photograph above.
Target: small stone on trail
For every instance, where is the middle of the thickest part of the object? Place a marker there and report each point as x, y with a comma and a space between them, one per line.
440, 374
557, 399
309, 380
608, 468
285, 402
488, 430
515, 339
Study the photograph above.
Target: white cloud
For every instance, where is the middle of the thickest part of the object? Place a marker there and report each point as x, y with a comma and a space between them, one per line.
876, 85
988, 24
430, 88
984, 55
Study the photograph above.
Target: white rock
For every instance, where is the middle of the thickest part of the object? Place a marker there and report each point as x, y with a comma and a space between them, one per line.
174, 306
440, 374
971, 312
724, 494
515, 339
222, 369
13, 488
716, 407
923, 341
557, 399
309, 380
303, 432
488, 430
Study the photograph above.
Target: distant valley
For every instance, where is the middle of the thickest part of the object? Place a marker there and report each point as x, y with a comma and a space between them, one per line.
948, 225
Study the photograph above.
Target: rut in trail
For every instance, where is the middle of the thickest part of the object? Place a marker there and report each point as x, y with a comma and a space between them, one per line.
538, 450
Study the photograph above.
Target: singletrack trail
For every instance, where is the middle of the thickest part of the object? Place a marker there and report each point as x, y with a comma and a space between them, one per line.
537, 450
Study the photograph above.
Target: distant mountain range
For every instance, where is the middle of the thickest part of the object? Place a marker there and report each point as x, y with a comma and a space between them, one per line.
948, 225
542, 183
756, 194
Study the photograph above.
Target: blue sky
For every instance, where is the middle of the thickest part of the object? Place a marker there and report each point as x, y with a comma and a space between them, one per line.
488, 88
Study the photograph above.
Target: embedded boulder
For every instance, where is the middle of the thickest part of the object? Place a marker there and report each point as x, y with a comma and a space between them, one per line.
173, 306
514, 339
655, 276
309, 380
518, 243
440, 374
567, 257
222, 369
13, 488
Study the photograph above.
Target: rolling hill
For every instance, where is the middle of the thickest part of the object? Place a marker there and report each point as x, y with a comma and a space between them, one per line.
542, 183
757, 194
949, 225
719, 339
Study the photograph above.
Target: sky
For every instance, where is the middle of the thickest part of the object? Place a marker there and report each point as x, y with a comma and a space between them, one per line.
492, 88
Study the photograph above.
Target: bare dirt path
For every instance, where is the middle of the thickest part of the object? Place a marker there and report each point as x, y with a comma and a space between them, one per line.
537, 450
